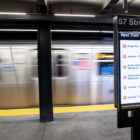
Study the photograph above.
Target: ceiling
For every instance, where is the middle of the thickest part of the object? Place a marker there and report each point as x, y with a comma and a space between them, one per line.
71, 6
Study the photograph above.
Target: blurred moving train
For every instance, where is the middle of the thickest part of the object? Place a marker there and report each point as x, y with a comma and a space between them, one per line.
82, 74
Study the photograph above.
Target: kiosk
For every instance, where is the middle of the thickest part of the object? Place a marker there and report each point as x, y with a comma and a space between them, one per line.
127, 73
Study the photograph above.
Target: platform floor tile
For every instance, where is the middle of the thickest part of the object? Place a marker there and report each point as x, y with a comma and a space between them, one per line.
100, 125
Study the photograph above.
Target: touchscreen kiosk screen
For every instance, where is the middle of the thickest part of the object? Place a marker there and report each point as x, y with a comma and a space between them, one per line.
129, 70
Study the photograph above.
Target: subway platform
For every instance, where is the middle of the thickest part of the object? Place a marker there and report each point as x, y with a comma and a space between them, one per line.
92, 125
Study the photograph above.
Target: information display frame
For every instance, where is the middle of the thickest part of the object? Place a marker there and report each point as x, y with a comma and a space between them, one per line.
123, 24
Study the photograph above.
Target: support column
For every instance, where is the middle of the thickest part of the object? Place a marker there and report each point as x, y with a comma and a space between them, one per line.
135, 130
135, 133
45, 72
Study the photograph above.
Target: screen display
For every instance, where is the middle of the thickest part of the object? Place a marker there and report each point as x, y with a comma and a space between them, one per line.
129, 70
107, 69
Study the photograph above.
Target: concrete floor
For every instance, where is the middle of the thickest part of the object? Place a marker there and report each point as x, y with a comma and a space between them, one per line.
71, 126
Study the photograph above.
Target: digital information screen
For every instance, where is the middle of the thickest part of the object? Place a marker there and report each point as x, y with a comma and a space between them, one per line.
129, 70
107, 69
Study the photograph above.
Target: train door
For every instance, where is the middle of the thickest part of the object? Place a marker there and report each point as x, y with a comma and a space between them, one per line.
16, 89
60, 76
106, 74
80, 72
95, 82
8, 78
34, 74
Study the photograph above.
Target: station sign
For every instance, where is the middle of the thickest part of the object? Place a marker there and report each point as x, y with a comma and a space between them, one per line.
127, 62
128, 23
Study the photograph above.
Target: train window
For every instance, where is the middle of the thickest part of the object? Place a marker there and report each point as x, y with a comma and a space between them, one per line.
34, 64
80, 56
81, 61
60, 66
106, 68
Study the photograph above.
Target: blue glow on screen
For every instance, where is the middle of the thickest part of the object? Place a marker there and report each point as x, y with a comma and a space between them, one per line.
107, 69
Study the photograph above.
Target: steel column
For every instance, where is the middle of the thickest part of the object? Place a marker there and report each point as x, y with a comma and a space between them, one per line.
44, 71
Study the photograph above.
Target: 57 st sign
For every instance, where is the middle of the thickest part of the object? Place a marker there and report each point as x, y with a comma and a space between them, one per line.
124, 21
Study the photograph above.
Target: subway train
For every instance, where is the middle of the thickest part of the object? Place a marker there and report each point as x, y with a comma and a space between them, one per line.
82, 74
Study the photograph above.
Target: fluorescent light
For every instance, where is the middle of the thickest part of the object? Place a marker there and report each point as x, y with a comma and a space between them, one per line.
76, 31
74, 15
83, 31
12, 13
18, 30
70, 31
111, 32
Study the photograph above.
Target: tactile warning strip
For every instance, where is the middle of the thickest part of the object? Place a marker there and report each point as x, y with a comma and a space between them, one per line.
35, 111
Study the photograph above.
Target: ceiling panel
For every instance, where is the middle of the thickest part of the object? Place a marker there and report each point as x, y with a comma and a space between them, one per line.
71, 6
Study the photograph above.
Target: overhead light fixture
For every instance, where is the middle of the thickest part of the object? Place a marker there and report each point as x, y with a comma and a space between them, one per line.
18, 30
76, 31
69, 31
82, 31
108, 32
74, 15
12, 13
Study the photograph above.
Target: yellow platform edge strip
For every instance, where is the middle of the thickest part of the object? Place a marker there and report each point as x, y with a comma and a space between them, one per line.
56, 110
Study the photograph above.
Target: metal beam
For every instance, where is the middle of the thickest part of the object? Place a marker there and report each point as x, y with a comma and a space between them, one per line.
37, 18
41, 6
108, 6
125, 6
